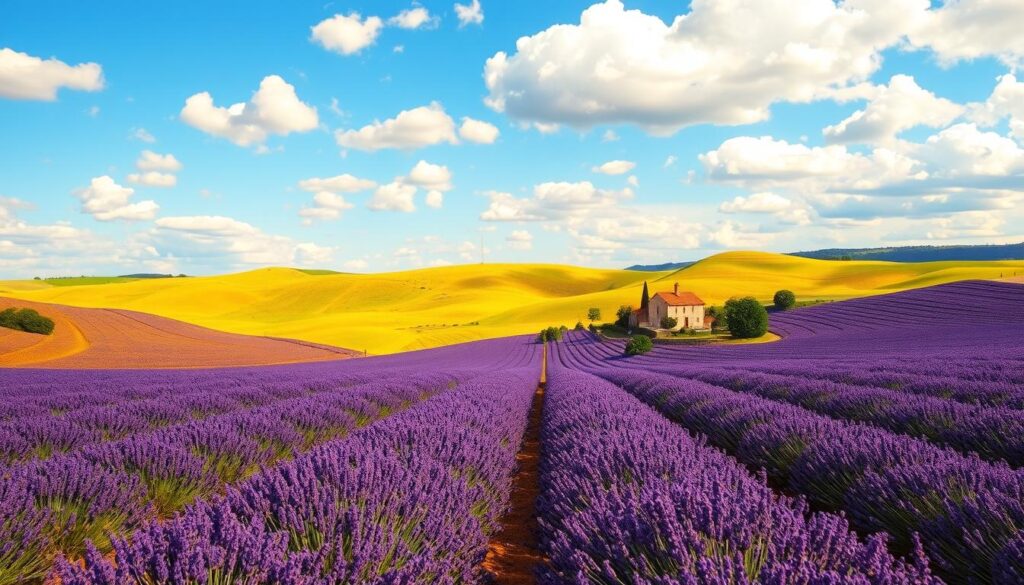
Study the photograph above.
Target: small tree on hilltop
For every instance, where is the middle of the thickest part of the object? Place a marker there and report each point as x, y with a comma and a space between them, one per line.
669, 322
746, 317
638, 344
784, 300
593, 314
622, 315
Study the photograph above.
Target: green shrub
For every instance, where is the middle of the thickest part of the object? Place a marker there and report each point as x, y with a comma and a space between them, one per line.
746, 317
579, 326
784, 299
28, 320
669, 322
551, 334
593, 314
622, 315
638, 344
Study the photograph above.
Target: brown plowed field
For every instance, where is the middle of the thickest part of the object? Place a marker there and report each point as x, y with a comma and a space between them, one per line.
114, 338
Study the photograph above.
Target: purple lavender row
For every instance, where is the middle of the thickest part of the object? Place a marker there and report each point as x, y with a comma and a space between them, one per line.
954, 384
42, 436
968, 511
410, 499
119, 485
996, 433
629, 497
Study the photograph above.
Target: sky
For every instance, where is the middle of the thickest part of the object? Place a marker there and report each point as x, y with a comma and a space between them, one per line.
368, 136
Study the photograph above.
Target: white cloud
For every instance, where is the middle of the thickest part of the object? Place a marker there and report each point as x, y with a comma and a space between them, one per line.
413, 18
344, 183
552, 200
430, 176
394, 196
669, 161
355, 265
730, 234
468, 14
963, 150
273, 109
347, 34
105, 200
151, 161
410, 129
153, 179
478, 131
764, 163
310, 254
897, 107
609, 136
24, 77
143, 135
203, 238
520, 240
969, 29
624, 66
434, 199
765, 202
784, 210
326, 206
1006, 101
615, 167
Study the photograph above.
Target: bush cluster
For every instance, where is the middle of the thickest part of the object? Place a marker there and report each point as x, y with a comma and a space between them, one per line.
28, 320
784, 300
551, 334
638, 344
746, 317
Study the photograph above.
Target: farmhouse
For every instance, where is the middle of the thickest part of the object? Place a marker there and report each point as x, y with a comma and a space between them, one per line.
685, 307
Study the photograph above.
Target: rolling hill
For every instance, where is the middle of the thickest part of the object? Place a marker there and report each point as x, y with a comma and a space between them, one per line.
391, 312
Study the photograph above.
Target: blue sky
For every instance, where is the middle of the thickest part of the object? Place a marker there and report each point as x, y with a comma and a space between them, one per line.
726, 126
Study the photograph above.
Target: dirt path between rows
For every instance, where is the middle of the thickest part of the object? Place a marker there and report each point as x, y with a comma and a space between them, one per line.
514, 553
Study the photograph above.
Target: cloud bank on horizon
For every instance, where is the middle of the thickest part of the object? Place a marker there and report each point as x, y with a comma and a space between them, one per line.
385, 135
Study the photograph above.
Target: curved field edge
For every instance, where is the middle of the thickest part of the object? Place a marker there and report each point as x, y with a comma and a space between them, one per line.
417, 309
105, 338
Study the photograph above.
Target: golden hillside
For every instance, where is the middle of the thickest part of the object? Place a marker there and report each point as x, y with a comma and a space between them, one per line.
391, 312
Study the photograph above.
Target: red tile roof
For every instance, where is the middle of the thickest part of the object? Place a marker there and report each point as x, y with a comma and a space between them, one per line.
683, 299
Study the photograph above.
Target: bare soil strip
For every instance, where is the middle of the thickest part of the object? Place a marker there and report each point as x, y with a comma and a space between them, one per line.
514, 553
110, 338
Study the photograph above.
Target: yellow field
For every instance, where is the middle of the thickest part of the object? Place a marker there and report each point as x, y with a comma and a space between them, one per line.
385, 313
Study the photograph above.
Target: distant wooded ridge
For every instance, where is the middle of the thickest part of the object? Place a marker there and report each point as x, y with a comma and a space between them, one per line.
892, 254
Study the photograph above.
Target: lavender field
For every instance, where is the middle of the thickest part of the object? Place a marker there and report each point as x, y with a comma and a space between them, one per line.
879, 442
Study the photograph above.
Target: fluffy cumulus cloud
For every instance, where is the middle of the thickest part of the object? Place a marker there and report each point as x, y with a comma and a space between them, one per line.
897, 107
153, 179
519, 240
550, 201
24, 77
410, 129
436, 179
328, 200
413, 18
394, 196
468, 14
478, 131
274, 109
347, 35
326, 206
1006, 101
201, 239
28, 249
968, 29
157, 170
621, 65
344, 183
151, 161
615, 167
105, 200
